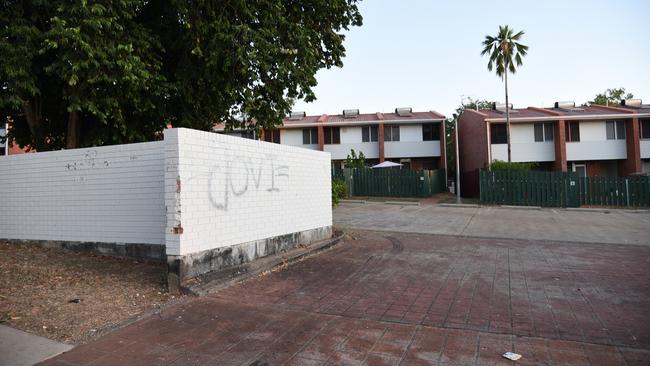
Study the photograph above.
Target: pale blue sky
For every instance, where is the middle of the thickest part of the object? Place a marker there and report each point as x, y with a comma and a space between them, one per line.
426, 54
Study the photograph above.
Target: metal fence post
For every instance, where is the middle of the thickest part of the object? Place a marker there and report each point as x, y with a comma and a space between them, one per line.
627, 191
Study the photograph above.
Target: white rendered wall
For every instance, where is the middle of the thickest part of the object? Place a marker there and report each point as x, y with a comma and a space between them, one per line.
499, 152
342, 150
410, 144
645, 149
524, 147
110, 194
351, 139
411, 149
594, 144
222, 191
293, 137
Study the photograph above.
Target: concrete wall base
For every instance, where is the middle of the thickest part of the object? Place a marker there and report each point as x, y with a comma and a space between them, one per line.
142, 251
185, 267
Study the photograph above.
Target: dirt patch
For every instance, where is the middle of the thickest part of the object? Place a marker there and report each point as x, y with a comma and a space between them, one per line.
73, 297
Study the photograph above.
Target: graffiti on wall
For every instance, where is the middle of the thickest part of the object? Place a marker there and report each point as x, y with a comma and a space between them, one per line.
241, 175
89, 161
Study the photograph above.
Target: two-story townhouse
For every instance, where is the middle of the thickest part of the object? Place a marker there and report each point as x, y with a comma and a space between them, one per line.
414, 139
590, 140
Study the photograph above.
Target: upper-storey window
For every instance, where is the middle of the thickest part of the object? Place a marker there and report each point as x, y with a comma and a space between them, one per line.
645, 128
615, 130
272, 136
543, 132
309, 136
369, 134
391, 133
332, 135
498, 133
431, 132
572, 131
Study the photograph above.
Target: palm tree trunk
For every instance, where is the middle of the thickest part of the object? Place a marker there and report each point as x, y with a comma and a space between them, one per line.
507, 116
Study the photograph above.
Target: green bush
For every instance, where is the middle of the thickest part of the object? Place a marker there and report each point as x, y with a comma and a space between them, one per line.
504, 165
338, 191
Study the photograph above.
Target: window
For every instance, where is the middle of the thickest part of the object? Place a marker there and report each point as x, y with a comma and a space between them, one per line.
544, 132
498, 133
272, 136
309, 136
369, 134
572, 131
248, 134
332, 135
615, 130
391, 133
431, 132
645, 128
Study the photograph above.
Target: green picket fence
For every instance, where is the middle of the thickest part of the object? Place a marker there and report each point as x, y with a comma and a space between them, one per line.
395, 182
558, 189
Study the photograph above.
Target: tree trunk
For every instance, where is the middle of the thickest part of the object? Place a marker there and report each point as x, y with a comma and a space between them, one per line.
72, 137
31, 115
508, 116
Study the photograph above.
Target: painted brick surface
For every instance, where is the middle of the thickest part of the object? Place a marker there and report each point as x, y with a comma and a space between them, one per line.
110, 194
223, 190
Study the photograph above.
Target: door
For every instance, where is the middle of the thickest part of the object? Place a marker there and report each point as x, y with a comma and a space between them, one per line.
580, 170
580, 190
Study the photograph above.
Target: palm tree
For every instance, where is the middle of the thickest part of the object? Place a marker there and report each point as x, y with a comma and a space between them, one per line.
502, 49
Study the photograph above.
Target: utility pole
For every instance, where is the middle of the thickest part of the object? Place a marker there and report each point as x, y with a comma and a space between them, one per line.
462, 103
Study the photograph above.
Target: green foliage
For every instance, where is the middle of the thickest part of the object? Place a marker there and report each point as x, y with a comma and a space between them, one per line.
120, 71
612, 96
504, 165
354, 161
503, 48
338, 191
450, 127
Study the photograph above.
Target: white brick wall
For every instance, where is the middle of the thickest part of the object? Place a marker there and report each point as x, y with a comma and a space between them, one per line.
108, 194
235, 190
232, 191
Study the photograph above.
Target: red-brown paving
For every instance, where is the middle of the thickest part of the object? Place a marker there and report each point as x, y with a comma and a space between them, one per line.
410, 299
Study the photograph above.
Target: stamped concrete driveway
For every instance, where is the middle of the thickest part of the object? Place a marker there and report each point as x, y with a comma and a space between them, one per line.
388, 298
612, 226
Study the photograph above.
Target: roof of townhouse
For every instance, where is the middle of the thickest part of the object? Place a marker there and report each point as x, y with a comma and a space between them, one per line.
514, 113
565, 109
353, 117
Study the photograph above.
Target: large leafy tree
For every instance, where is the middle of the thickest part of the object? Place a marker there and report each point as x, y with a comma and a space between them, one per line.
506, 55
611, 96
80, 73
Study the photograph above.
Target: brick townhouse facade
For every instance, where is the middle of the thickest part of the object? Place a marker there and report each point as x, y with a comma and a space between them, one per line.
590, 140
415, 139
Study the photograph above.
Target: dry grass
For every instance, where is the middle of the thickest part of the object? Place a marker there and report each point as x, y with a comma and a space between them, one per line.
71, 297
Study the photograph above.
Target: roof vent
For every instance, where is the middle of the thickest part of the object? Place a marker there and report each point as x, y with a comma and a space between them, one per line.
350, 113
294, 116
404, 112
500, 106
632, 102
565, 105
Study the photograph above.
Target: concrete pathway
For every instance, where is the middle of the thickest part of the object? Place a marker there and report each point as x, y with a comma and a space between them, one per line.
615, 226
409, 299
18, 348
